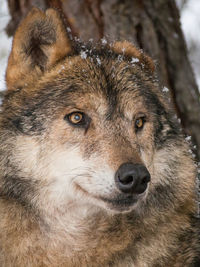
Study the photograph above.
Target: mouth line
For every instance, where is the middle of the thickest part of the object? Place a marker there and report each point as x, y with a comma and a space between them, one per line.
120, 203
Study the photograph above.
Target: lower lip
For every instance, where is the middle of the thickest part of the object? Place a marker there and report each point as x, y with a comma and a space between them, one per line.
121, 203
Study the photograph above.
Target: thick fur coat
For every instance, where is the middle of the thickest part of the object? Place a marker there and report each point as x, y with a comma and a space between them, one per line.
72, 115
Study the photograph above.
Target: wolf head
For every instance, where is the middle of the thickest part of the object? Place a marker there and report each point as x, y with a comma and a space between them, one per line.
87, 124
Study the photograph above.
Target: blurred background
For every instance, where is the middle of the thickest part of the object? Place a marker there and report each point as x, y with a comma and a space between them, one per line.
190, 23
5, 42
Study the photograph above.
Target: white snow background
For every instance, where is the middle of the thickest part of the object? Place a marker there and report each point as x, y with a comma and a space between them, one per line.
5, 42
190, 20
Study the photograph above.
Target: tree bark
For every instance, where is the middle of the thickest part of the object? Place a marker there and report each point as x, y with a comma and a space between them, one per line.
152, 25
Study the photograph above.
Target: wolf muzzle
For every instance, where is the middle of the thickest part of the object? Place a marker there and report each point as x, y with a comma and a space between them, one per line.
132, 178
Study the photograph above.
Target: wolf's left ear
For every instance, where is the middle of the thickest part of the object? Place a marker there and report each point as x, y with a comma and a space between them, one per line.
129, 50
39, 42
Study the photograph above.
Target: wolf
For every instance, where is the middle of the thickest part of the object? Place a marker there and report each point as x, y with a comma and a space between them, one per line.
94, 169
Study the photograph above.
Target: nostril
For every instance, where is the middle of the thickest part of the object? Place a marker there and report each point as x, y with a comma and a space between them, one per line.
126, 180
145, 180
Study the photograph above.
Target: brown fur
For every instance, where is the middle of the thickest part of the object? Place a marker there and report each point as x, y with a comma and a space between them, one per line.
46, 221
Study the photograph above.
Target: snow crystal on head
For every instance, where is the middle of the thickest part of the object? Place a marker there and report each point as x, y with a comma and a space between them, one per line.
188, 138
123, 50
120, 58
98, 60
165, 89
134, 60
104, 41
83, 54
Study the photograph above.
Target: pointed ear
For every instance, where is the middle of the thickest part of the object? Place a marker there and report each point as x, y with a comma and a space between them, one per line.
39, 42
131, 51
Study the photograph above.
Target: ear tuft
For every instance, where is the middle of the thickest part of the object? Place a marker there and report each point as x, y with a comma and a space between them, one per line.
39, 42
131, 51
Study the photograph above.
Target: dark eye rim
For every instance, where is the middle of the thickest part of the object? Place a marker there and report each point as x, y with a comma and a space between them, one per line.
144, 119
83, 123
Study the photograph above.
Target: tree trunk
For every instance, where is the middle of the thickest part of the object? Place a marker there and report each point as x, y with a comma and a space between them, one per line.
151, 25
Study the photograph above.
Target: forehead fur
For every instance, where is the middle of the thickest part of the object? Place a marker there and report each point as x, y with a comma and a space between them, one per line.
92, 78
96, 76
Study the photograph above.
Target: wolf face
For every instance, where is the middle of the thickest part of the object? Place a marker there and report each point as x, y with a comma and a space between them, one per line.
86, 125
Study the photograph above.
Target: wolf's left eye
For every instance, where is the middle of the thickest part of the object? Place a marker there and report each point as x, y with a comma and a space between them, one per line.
77, 119
139, 123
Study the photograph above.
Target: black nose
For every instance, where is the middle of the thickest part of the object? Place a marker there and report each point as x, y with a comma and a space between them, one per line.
132, 178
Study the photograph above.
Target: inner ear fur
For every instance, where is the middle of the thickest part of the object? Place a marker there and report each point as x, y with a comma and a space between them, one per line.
39, 42
129, 50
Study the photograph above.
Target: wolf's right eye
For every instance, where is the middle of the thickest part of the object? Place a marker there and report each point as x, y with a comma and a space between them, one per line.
78, 119
139, 123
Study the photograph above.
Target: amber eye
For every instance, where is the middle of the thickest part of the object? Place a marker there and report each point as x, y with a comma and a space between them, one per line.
75, 117
78, 119
139, 123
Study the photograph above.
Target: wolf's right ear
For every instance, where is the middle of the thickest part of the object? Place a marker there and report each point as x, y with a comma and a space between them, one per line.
39, 42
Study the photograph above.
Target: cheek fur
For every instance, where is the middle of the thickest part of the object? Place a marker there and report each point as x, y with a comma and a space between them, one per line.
100, 180
62, 167
60, 170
